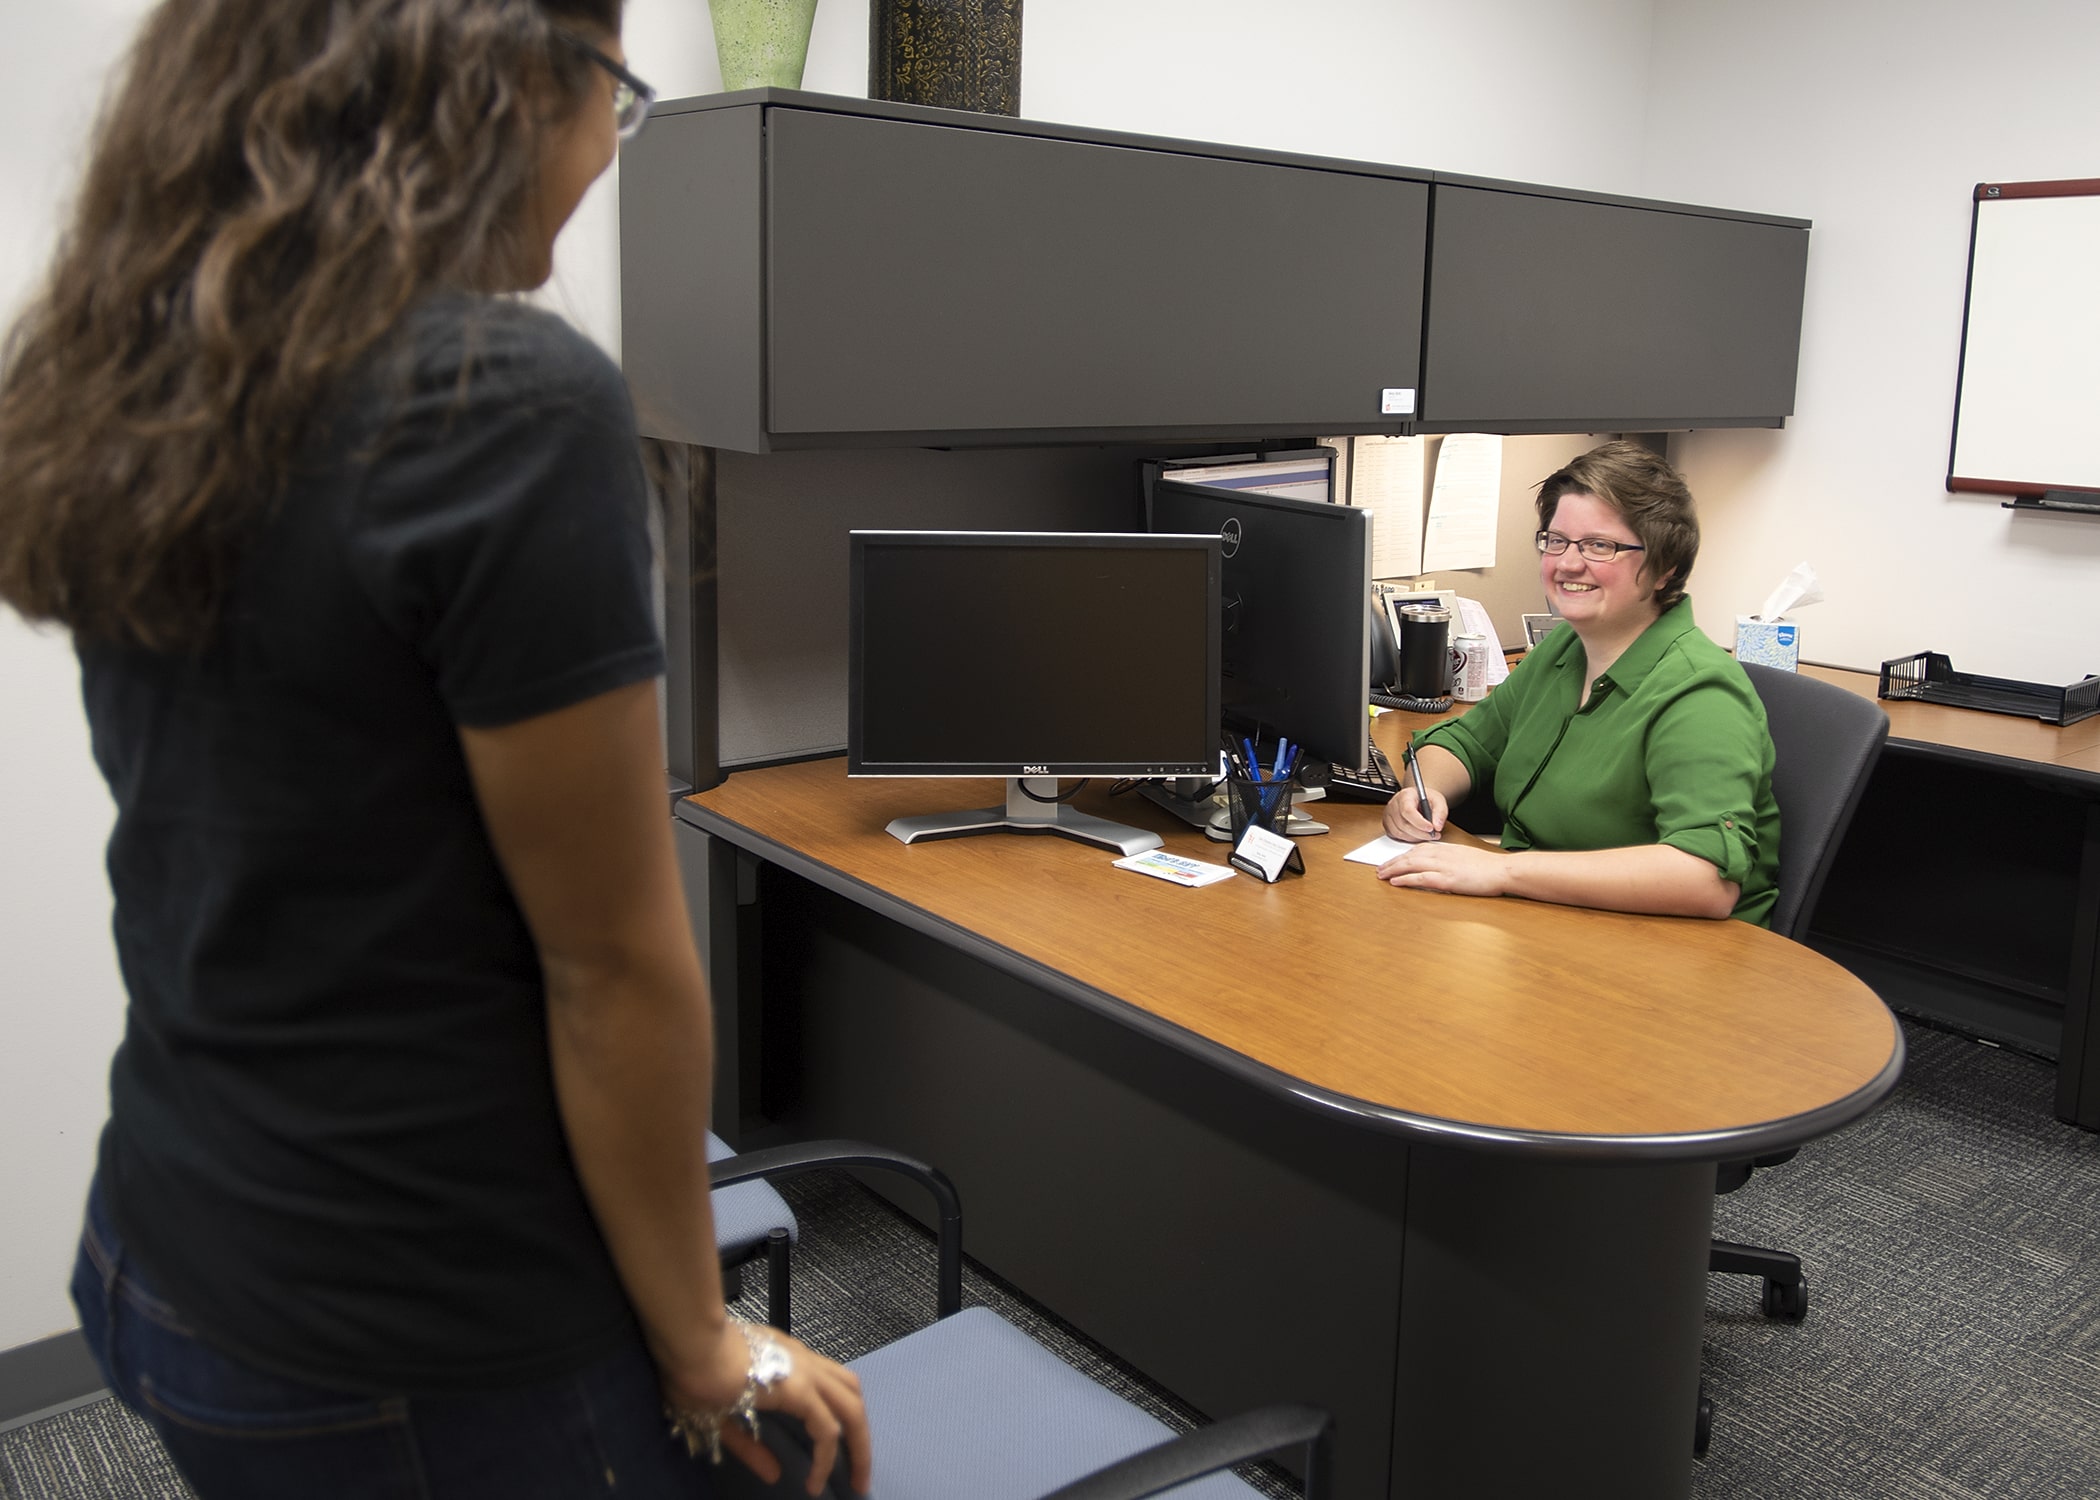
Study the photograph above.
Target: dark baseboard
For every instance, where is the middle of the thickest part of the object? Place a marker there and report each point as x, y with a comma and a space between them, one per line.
47, 1373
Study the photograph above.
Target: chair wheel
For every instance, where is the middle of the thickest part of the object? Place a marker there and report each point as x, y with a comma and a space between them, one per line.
1788, 1301
1703, 1426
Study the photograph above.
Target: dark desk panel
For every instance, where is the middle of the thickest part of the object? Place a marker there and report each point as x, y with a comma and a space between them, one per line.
1968, 890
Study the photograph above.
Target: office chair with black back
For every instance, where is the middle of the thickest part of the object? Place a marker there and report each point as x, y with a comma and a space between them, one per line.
1827, 741
971, 1408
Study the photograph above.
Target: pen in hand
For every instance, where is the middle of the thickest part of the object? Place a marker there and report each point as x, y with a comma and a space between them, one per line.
1421, 792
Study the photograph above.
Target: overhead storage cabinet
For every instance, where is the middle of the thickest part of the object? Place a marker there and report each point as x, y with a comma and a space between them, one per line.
802, 271
1551, 312
798, 276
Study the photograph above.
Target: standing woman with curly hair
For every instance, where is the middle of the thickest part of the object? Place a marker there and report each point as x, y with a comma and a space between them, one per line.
404, 1187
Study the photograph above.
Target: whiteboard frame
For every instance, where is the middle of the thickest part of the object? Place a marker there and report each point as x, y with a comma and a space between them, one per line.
1991, 348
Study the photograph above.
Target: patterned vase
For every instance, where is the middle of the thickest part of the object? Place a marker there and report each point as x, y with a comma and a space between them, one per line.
762, 43
954, 54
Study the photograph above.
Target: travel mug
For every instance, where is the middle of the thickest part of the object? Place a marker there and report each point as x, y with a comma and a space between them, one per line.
1425, 651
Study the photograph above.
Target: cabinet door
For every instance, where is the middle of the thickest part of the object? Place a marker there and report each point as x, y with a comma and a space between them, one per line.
926, 280
1551, 314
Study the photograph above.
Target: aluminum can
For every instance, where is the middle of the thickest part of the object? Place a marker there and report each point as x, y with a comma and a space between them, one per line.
1469, 662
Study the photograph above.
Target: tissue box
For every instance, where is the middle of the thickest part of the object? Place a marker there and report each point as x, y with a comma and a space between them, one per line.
1768, 643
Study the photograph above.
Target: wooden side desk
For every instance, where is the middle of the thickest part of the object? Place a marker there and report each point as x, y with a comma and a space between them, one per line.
1443, 1166
1968, 890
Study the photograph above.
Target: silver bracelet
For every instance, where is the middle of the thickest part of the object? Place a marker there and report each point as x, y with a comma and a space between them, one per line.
770, 1364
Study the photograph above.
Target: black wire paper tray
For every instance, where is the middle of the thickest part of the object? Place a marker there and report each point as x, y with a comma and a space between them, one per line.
1931, 678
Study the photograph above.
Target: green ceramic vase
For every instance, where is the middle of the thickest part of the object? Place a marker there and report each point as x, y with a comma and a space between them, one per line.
762, 43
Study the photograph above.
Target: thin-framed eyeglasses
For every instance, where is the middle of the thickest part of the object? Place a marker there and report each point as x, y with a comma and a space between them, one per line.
631, 96
1595, 548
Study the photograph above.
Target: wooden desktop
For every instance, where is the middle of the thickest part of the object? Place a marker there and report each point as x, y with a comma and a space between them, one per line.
1968, 891
1441, 1165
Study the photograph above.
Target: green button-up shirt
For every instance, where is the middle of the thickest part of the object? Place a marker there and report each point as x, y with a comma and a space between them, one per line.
1671, 749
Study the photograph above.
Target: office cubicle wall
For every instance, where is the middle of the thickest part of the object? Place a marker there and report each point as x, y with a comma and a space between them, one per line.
781, 525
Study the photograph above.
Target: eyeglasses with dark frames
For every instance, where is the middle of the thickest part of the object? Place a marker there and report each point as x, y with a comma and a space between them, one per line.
631, 96
1595, 548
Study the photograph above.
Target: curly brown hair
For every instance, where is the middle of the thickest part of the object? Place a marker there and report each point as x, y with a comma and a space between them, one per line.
1650, 496
271, 185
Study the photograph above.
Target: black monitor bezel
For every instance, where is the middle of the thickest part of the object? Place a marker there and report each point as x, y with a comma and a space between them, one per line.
1333, 666
1202, 763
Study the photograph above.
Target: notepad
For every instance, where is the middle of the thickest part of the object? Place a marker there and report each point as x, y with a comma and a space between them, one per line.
1378, 851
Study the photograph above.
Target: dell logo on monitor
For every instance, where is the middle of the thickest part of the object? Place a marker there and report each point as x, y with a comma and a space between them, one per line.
1229, 534
1035, 770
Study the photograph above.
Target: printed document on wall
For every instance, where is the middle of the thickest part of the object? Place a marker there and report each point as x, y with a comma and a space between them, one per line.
1385, 478
1463, 503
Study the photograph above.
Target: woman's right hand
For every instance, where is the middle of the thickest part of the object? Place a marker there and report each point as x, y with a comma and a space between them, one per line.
1405, 822
822, 1395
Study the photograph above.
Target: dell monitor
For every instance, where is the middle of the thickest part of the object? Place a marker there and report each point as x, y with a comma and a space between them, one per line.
1296, 636
1030, 656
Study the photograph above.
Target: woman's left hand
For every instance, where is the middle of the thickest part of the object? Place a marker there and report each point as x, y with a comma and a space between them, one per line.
1455, 869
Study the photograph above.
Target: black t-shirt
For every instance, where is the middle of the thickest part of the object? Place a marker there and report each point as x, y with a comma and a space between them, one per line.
333, 1136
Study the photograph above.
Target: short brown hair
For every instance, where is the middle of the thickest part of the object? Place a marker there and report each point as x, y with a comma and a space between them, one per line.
1649, 496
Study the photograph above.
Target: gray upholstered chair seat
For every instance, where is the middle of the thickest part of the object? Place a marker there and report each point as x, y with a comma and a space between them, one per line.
971, 1408
746, 1213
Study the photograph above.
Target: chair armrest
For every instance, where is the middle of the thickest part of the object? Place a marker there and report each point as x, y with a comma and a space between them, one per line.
1218, 1446
812, 1156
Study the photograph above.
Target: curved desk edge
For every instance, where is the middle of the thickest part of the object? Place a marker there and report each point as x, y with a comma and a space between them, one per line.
1719, 1145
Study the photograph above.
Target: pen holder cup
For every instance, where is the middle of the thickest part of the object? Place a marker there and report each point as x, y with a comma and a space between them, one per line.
1263, 804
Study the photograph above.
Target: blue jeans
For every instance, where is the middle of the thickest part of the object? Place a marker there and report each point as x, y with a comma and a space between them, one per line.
235, 1431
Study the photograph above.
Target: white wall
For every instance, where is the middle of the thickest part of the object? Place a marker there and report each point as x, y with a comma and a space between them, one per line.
1875, 118
1480, 87
61, 1005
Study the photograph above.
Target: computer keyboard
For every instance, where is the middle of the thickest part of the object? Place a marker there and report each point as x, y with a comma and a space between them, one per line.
1374, 783
1411, 704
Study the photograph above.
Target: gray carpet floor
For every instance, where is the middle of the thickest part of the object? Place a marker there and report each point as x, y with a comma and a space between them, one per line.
1951, 1352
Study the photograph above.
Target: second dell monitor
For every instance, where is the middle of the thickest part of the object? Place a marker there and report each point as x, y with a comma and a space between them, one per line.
1296, 643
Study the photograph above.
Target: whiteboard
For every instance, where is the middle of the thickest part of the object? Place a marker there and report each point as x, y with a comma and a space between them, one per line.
2027, 409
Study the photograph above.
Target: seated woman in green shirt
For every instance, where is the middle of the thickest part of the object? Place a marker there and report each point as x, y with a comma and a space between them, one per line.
1628, 755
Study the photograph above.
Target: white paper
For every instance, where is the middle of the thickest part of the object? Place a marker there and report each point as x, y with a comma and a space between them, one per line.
1378, 851
1164, 866
1385, 478
1463, 503
1473, 620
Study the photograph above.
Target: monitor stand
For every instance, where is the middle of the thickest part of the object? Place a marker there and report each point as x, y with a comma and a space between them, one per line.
1193, 799
1025, 814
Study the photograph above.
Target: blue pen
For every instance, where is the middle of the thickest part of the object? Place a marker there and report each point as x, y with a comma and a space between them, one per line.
1252, 762
1283, 750
1287, 772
